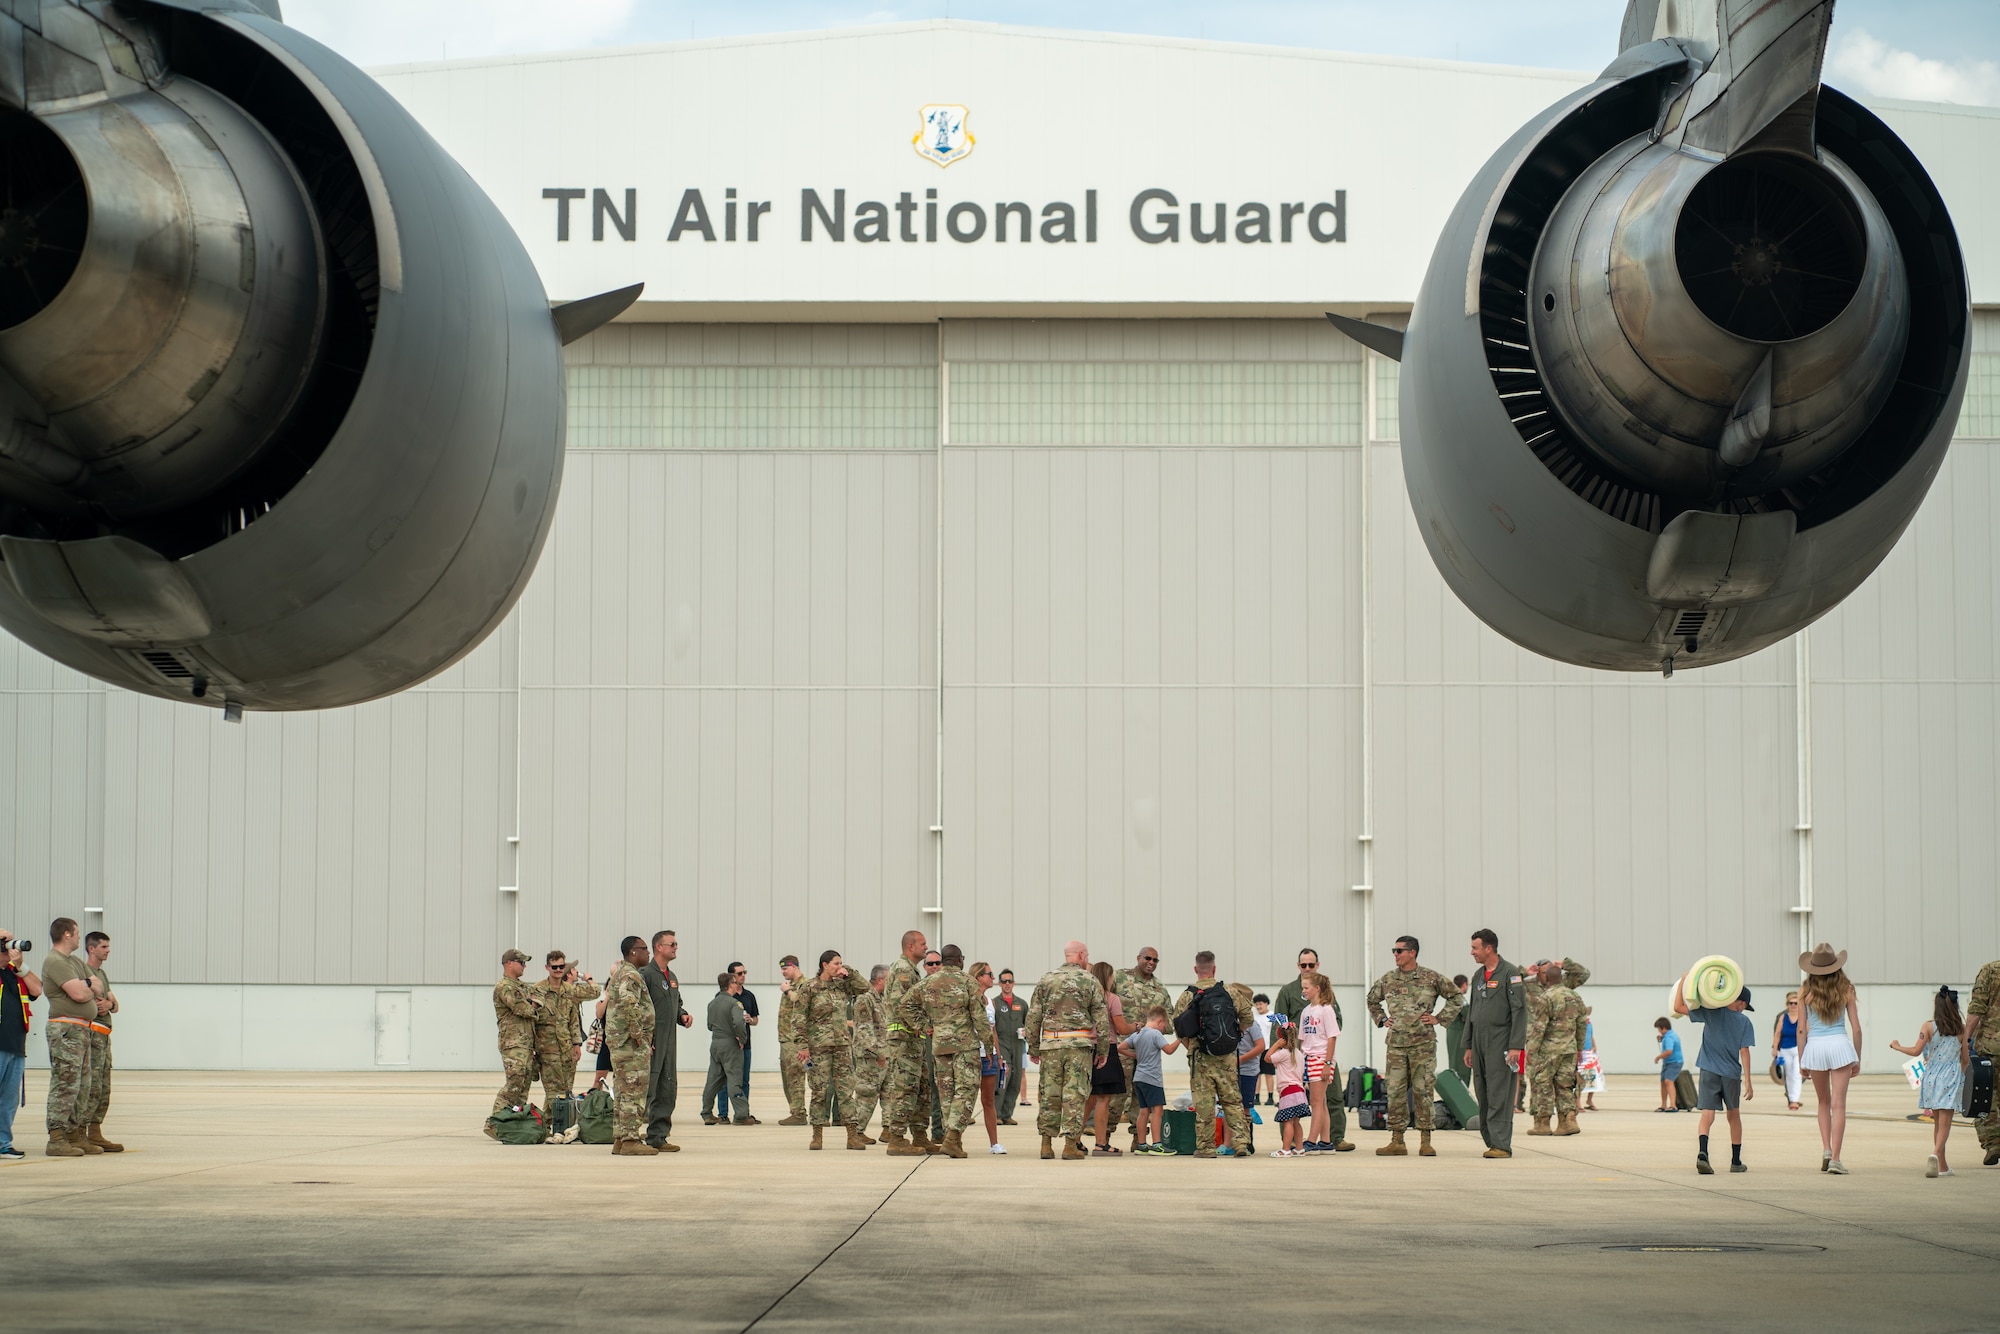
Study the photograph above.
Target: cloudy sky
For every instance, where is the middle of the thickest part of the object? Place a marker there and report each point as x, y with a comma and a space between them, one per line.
1937, 50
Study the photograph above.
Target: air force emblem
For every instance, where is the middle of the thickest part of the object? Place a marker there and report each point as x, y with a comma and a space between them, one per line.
943, 138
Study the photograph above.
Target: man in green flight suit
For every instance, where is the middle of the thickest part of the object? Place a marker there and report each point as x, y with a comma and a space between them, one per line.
1496, 1031
1291, 1003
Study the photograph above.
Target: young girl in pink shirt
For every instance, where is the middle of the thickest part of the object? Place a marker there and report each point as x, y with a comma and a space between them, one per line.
1318, 1032
1288, 1073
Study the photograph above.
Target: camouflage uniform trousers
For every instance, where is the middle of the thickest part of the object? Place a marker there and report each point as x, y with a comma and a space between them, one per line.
1989, 1124
1214, 1084
1065, 1091
906, 1103
1410, 1071
868, 1080
958, 1087
517, 1065
631, 1072
100, 1079
555, 1066
1552, 1082
70, 1094
792, 1070
832, 1075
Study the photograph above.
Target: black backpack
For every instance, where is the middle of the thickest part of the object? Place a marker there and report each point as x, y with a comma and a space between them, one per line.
1210, 1021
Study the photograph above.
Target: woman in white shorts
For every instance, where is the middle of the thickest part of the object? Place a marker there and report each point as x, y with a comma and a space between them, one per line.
1829, 1044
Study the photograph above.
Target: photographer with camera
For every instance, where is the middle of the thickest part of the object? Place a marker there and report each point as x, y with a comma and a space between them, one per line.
73, 996
18, 986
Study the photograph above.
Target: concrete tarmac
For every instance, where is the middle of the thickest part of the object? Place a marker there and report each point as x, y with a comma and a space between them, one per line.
373, 1202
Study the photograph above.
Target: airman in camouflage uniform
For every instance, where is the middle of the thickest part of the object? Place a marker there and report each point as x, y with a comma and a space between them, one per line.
1574, 975
1404, 1002
829, 1043
792, 1039
558, 1032
1982, 1038
906, 1103
515, 1009
1138, 991
1212, 1079
628, 1032
1069, 1032
952, 1008
1555, 1035
871, 1051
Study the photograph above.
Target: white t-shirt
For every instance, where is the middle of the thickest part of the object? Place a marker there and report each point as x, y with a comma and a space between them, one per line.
1263, 1022
1317, 1027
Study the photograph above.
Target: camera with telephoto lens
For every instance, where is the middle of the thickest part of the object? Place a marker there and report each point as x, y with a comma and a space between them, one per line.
16, 943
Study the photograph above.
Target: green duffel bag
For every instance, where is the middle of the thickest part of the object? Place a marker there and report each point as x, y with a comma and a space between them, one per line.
596, 1118
520, 1125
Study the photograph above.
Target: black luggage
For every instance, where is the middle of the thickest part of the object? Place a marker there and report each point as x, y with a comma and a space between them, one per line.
1979, 1087
1363, 1087
564, 1113
1684, 1091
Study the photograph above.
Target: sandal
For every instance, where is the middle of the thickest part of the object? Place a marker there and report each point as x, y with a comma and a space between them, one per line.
1106, 1151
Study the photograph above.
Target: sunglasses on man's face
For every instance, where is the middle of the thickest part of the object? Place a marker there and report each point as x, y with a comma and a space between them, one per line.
933, 963
1149, 958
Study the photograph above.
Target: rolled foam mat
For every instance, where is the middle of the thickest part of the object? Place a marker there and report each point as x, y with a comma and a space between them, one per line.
1713, 983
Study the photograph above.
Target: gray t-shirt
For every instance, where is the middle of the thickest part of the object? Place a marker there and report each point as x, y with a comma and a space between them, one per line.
1724, 1034
1247, 1065
1146, 1045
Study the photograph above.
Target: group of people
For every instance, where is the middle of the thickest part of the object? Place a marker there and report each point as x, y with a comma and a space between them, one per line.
81, 1009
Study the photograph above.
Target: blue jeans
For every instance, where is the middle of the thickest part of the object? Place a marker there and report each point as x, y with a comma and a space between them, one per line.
12, 1070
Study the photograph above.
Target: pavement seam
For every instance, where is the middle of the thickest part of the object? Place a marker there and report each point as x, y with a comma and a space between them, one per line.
879, 1207
1768, 1204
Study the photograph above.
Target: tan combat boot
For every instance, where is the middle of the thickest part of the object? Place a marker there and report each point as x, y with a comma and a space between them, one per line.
1048, 1148
1567, 1124
818, 1133
795, 1119
920, 1139
1541, 1127
96, 1136
1073, 1150
633, 1148
953, 1146
60, 1147
897, 1142
82, 1142
857, 1140
1395, 1148
1497, 1153
1424, 1150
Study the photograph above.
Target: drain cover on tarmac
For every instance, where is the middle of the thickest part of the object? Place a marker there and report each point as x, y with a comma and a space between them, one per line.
1684, 1247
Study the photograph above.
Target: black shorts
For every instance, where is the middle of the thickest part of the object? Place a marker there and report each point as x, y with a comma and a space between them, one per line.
1108, 1078
604, 1057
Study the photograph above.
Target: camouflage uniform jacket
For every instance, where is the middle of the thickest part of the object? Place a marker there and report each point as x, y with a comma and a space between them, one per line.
1985, 1003
516, 1007
561, 1004
951, 1008
871, 1029
792, 1012
1067, 1012
1574, 975
628, 1016
1555, 1022
1139, 994
824, 1006
1399, 1001
902, 976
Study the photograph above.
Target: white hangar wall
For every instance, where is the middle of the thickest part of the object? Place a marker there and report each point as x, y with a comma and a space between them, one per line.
1179, 579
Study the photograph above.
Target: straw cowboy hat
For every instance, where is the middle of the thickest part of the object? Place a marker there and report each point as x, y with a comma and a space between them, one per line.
1821, 960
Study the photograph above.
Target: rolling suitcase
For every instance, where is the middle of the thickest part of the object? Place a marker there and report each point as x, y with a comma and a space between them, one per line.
1979, 1087
1453, 1093
1363, 1087
1684, 1092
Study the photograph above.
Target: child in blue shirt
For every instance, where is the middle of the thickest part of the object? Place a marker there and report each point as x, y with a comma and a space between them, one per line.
1669, 1061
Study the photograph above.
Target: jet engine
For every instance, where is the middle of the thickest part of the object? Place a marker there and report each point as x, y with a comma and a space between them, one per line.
1689, 351
281, 395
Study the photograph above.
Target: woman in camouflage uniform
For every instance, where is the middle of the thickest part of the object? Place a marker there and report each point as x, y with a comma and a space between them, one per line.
829, 1046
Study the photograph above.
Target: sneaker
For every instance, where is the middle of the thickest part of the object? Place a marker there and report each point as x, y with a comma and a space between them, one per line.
1947, 1173
1255, 1119
1825, 1159
997, 1148
1931, 1166
1226, 1151
1834, 1167
1701, 1165
1738, 1166
12, 1154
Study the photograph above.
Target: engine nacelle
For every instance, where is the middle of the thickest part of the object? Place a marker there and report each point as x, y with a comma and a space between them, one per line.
281, 395
1689, 352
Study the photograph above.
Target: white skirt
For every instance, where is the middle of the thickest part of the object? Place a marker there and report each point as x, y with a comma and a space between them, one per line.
1828, 1049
